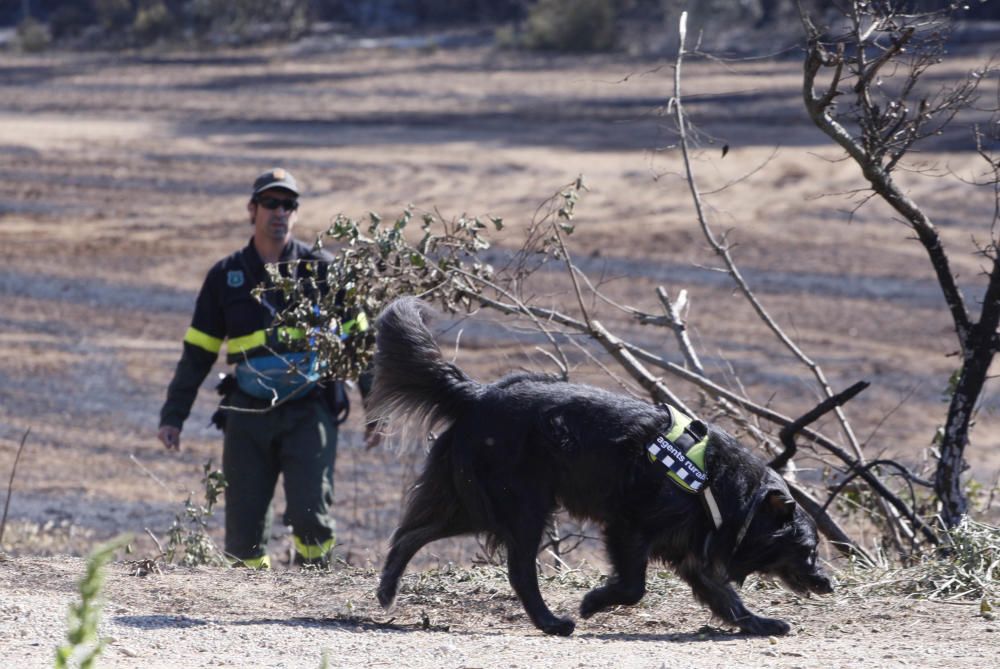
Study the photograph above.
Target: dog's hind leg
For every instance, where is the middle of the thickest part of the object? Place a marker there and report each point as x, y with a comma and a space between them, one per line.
405, 544
629, 555
428, 517
725, 602
522, 550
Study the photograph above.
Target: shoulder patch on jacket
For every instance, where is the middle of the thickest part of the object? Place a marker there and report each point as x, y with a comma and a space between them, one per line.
235, 278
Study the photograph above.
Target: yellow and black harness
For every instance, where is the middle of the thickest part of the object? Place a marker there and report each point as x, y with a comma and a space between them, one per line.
681, 449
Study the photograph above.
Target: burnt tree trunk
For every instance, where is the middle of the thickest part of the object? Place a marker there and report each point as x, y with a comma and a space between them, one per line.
877, 151
978, 351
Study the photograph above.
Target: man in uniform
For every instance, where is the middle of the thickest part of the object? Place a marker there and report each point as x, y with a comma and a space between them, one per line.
280, 420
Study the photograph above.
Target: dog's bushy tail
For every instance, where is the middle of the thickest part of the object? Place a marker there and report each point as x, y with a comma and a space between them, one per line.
414, 386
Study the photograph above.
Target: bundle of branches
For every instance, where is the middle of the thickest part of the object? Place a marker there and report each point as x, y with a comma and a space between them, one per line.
374, 263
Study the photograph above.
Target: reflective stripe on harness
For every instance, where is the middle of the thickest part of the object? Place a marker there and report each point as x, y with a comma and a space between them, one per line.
682, 451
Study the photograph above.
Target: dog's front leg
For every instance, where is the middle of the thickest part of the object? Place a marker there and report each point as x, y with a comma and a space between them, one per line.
629, 554
717, 592
523, 577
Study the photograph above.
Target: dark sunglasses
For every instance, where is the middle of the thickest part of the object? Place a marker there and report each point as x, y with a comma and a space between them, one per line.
275, 202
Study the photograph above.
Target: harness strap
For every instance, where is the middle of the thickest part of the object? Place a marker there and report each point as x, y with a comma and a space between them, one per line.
682, 451
712, 506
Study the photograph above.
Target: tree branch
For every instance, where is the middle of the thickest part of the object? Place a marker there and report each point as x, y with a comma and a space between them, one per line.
723, 252
820, 111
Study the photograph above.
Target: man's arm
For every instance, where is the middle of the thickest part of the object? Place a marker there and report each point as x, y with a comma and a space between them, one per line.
193, 367
202, 343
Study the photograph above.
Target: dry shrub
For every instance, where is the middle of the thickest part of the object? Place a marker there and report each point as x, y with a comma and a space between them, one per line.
153, 21
572, 25
33, 36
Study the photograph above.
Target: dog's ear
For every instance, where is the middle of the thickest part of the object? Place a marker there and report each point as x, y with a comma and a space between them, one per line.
779, 504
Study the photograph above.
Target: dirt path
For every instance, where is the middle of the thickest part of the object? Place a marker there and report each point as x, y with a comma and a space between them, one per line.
463, 618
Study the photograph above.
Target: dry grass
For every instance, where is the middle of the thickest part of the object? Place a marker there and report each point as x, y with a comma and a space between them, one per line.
966, 569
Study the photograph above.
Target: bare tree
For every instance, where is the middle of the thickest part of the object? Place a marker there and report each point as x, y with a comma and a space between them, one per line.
875, 105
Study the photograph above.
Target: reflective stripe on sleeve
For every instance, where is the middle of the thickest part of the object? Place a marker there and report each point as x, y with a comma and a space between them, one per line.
246, 342
201, 340
259, 338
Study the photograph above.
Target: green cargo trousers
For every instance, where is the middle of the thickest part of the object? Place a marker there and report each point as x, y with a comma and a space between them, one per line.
297, 439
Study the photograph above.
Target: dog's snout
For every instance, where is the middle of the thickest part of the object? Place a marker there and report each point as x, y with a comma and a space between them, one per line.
821, 584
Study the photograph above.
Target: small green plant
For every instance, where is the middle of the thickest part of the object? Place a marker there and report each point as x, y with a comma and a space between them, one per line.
188, 540
83, 644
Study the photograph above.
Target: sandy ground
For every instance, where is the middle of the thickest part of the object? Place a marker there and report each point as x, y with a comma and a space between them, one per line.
461, 618
125, 177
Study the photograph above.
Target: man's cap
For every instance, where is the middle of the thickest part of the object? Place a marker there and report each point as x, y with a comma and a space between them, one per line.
277, 177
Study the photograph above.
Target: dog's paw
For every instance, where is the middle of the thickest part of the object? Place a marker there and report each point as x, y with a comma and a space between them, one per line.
559, 626
591, 604
386, 594
609, 596
764, 626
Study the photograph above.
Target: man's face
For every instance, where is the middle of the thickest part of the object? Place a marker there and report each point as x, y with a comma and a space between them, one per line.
273, 213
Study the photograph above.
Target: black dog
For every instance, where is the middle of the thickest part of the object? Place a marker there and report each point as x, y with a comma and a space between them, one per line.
517, 448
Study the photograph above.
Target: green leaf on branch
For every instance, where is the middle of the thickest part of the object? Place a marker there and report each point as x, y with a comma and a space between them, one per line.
373, 264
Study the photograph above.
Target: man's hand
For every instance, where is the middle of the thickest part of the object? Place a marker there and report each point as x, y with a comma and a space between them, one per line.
372, 436
170, 436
